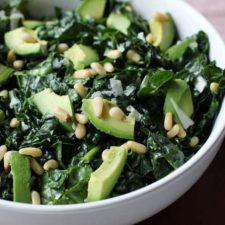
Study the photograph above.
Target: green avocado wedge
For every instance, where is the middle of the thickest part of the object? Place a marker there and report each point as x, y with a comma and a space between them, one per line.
20, 169
14, 40
81, 56
118, 22
163, 31
117, 128
92, 8
104, 179
47, 102
180, 93
32, 24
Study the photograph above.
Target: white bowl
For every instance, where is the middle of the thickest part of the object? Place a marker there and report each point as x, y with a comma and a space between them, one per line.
145, 202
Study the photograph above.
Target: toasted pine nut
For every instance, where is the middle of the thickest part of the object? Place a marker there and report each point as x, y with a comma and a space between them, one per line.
160, 17
133, 56
150, 38
3, 150
11, 56
98, 106
105, 154
35, 198
81, 118
136, 147
194, 141
4, 94
80, 89
168, 121
174, 131
109, 67
114, 54
80, 131
28, 38
98, 68
129, 8
116, 113
214, 87
62, 47
6, 162
84, 74
31, 151
62, 115
14, 123
36, 167
182, 133
18, 64
51, 165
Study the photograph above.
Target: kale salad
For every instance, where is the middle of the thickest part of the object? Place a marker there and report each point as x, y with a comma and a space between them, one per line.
97, 102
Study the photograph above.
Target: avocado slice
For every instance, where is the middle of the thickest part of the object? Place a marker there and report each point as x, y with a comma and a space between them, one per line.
180, 93
14, 41
177, 51
20, 169
81, 56
163, 31
121, 129
104, 179
32, 24
118, 22
5, 74
47, 102
92, 8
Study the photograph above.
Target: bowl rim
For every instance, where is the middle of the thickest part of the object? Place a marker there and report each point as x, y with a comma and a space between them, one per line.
215, 135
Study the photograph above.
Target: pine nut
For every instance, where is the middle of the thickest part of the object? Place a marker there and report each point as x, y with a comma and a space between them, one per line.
80, 89
80, 131
18, 64
114, 54
3, 150
36, 167
98, 68
11, 56
30, 151
136, 147
214, 87
182, 133
125, 146
150, 39
105, 154
160, 17
28, 38
194, 141
4, 94
98, 106
51, 165
168, 121
132, 55
81, 118
84, 74
129, 8
62, 47
116, 113
6, 161
174, 131
35, 198
109, 67
14, 123
62, 115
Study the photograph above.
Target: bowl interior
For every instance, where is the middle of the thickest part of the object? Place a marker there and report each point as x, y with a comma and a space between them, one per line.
188, 22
